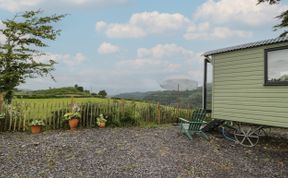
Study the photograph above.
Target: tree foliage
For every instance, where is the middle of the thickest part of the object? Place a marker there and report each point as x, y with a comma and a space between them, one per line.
283, 17
25, 35
102, 93
79, 88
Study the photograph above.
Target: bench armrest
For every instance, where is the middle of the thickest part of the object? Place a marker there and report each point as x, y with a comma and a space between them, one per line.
184, 120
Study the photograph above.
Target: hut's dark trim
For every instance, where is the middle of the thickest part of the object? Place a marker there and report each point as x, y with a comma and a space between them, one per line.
204, 89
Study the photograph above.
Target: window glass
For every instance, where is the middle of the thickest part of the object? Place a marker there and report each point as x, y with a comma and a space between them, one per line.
277, 66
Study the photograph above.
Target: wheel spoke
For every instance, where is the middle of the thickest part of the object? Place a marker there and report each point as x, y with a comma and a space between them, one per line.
243, 140
256, 131
248, 131
243, 132
250, 141
239, 134
253, 136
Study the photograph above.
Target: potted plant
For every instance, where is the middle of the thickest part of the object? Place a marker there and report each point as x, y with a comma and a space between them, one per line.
73, 119
36, 125
101, 121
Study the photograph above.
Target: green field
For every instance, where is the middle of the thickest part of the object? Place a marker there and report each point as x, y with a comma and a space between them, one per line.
75, 100
63, 100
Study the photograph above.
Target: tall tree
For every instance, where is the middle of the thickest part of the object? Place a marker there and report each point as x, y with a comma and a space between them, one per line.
283, 17
102, 93
25, 35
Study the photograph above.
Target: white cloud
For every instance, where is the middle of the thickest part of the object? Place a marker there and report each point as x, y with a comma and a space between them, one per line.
67, 59
107, 48
164, 51
147, 23
16, 5
78, 58
124, 31
163, 61
2, 37
155, 22
205, 32
142, 24
246, 12
21, 5
1, 25
101, 25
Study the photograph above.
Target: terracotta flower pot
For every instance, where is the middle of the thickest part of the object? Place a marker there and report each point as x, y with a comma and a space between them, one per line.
102, 124
73, 123
35, 129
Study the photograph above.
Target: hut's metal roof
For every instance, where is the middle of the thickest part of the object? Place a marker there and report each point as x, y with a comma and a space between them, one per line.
247, 45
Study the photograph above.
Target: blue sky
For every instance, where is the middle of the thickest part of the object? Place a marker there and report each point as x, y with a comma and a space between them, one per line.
133, 45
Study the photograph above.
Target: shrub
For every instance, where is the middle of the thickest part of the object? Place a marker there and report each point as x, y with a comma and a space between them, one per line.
131, 116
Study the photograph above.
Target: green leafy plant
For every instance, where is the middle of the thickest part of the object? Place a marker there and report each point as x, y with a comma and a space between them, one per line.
75, 114
72, 115
2, 115
17, 110
101, 119
36, 122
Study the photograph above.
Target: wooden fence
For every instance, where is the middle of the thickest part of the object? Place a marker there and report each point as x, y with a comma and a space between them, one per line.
19, 115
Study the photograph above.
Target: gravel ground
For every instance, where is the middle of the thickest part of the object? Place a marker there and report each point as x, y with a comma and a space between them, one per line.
137, 152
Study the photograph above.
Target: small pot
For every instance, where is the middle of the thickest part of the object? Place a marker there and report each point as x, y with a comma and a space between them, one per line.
102, 125
73, 123
35, 129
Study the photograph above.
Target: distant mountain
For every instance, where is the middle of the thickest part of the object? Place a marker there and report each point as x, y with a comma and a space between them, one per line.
182, 84
188, 98
133, 95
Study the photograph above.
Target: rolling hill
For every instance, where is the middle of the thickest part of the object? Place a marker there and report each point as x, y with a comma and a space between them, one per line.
188, 98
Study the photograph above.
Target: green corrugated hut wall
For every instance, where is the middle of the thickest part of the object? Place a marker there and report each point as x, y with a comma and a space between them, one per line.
239, 93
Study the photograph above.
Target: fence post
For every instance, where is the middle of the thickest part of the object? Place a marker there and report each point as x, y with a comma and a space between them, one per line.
122, 106
158, 112
1, 102
2, 122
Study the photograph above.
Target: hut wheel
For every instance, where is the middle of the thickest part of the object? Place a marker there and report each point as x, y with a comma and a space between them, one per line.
247, 136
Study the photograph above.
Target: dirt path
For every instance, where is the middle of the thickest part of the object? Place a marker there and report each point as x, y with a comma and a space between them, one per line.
136, 152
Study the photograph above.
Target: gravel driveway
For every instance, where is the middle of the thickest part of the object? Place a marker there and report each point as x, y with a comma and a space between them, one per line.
136, 152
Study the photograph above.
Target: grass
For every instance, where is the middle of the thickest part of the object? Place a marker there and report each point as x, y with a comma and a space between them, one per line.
62, 100
75, 100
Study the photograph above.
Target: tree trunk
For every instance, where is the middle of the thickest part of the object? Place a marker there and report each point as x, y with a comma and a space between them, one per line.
8, 97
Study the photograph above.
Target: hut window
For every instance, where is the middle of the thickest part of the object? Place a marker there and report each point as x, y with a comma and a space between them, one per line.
276, 66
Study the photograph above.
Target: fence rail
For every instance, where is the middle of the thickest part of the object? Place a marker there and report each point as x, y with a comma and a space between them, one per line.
19, 114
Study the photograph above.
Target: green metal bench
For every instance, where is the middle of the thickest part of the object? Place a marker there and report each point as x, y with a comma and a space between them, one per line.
194, 125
